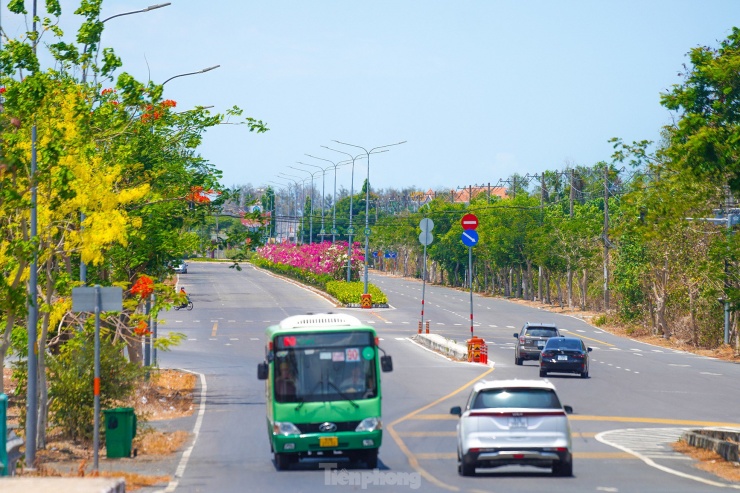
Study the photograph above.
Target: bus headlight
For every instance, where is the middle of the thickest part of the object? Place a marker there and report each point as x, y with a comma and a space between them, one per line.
369, 424
285, 428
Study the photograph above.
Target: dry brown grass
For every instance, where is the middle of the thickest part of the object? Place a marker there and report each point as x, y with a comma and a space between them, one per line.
167, 394
710, 461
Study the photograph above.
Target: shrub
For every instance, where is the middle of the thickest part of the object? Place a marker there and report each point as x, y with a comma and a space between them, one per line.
349, 293
71, 382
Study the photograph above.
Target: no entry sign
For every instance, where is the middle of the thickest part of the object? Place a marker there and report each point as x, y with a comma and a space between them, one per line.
469, 221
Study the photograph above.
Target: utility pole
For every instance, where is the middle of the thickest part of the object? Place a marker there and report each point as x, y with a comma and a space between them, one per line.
542, 216
570, 268
729, 219
606, 237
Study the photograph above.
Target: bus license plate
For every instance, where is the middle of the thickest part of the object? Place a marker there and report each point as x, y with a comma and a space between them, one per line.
328, 441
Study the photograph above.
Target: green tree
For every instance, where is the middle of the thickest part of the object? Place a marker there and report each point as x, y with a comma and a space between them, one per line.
706, 134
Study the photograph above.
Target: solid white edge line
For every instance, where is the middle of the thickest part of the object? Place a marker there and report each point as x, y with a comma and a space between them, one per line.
652, 463
196, 432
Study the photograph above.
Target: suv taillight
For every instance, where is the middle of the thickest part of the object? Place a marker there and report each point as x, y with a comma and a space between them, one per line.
522, 339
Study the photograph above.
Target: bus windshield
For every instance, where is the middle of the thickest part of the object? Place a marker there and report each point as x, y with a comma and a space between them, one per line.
325, 367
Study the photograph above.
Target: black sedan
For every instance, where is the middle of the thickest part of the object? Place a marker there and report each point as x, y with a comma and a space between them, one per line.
564, 355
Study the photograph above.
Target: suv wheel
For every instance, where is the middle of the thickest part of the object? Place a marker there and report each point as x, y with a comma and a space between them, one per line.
543, 373
465, 469
517, 361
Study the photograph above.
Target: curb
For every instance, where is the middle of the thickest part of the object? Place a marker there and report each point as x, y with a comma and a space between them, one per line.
723, 441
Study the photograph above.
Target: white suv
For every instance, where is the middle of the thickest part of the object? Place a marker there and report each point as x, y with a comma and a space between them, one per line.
509, 422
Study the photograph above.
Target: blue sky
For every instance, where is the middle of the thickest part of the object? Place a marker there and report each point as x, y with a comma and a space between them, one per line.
478, 89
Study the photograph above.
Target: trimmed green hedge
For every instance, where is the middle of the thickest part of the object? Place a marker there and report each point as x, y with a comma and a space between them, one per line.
346, 293
351, 292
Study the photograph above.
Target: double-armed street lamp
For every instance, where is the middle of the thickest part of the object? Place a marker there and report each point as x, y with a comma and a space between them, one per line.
310, 222
367, 198
323, 199
350, 230
374, 150
302, 181
334, 200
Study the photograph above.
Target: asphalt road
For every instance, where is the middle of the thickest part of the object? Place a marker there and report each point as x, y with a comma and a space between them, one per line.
638, 400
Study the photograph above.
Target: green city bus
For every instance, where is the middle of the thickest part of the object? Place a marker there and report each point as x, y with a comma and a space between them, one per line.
322, 374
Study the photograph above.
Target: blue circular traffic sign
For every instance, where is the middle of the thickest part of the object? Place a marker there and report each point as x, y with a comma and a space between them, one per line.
469, 237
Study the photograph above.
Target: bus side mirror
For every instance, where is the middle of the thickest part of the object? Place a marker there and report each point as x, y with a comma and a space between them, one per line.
262, 370
386, 363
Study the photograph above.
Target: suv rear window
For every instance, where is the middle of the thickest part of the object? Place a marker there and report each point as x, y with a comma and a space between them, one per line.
523, 398
542, 331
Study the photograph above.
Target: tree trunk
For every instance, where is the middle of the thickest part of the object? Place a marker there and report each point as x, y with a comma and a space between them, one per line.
548, 299
570, 287
584, 289
560, 291
519, 282
692, 314
661, 295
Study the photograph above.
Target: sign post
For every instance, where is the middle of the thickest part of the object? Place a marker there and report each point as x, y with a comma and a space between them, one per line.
425, 238
469, 238
97, 299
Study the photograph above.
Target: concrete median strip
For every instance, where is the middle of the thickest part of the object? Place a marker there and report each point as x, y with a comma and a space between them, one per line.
447, 347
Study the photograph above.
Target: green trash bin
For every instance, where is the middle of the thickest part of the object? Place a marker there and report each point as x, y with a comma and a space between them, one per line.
120, 430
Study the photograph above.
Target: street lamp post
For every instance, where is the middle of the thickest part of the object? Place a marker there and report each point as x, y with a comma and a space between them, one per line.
148, 342
334, 200
310, 222
286, 176
367, 197
148, 9
83, 265
350, 231
323, 195
279, 232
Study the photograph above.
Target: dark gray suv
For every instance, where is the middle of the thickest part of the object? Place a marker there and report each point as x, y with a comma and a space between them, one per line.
531, 339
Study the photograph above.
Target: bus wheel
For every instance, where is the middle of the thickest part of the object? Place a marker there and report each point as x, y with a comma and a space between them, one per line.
282, 461
371, 458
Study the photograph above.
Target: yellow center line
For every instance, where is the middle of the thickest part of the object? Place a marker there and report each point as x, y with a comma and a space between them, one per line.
592, 339
413, 462
215, 328
418, 434
381, 318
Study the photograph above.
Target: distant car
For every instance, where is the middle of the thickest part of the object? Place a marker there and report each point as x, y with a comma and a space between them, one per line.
565, 355
181, 268
531, 339
514, 422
